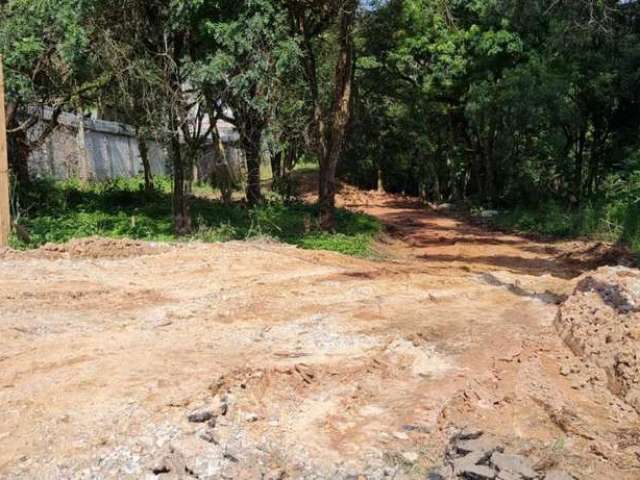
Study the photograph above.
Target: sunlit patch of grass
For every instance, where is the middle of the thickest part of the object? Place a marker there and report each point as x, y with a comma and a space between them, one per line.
57, 212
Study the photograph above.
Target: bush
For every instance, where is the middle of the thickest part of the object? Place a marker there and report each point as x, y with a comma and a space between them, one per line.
612, 216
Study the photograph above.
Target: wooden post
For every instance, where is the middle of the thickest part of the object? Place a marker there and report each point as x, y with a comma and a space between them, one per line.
5, 213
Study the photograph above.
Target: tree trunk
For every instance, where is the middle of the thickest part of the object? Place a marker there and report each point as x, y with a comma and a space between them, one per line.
490, 180
253, 192
340, 117
18, 149
437, 190
18, 152
579, 167
327, 195
181, 213
146, 166
291, 159
276, 165
328, 138
380, 180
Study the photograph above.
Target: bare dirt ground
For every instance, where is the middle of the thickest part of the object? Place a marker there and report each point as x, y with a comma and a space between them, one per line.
316, 365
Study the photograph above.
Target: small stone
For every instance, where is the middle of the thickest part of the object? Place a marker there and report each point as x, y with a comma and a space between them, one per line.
209, 436
478, 472
251, 417
513, 464
217, 385
401, 435
474, 458
558, 475
410, 457
506, 475
481, 444
276, 474
565, 370
200, 416
439, 473
161, 466
468, 434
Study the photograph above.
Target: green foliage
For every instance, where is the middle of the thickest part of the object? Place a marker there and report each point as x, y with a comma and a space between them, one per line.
496, 101
60, 211
47, 50
614, 217
248, 54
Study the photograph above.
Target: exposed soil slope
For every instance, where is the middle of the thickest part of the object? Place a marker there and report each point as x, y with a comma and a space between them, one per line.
601, 323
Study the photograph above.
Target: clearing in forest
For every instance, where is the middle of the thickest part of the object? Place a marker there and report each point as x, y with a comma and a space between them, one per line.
124, 359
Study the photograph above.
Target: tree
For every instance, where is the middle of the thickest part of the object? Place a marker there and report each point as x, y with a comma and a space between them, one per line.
49, 68
329, 119
495, 101
162, 39
250, 55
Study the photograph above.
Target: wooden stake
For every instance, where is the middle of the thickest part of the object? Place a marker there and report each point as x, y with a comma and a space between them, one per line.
5, 213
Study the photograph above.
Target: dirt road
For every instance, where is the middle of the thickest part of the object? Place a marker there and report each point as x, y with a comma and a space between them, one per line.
317, 365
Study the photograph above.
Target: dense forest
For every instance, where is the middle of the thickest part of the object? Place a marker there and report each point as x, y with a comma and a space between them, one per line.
500, 104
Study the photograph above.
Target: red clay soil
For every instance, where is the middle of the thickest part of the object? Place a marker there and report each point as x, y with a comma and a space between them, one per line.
600, 322
327, 366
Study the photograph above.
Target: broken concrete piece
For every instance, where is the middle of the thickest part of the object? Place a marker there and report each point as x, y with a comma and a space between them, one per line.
481, 444
202, 459
401, 435
478, 472
505, 475
513, 464
460, 465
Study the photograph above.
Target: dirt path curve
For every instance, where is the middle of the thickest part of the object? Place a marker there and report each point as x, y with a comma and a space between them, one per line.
327, 366
444, 242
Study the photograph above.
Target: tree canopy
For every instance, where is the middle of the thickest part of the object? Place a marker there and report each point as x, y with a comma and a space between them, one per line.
486, 102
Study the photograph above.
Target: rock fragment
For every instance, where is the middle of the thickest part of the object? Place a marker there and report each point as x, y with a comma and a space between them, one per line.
410, 457
484, 444
209, 436
477, 472
251, 417
472, 455
201, 415
514, 464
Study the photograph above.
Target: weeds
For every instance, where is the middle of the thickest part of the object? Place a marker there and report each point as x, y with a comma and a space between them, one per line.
60, 211
611, 221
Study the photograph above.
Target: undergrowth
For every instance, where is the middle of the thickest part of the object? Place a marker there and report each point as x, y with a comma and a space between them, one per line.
612, 217
56, 212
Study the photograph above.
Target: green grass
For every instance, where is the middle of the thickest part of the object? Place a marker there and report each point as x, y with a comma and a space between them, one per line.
307, 166
617, 222
57, 212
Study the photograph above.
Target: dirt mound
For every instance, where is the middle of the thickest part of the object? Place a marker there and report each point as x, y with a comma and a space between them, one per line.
100, 248
600, 322
597, 255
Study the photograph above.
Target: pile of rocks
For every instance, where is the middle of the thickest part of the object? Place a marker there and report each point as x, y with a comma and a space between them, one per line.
475, 456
